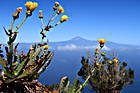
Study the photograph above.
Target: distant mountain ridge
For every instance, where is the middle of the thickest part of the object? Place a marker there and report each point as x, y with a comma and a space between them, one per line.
79, 43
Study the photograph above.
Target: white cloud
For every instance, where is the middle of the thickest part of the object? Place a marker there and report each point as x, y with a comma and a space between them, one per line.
75, 47
104, 48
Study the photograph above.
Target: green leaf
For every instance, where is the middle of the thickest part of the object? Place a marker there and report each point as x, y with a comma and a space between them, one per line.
21, 66
2, 62
73, 87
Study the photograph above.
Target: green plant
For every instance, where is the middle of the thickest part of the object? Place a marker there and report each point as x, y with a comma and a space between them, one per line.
65, 87
105, 74
21, 68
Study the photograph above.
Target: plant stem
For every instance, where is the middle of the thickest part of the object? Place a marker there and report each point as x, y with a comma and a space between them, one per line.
57, 24
81, 86
42, 22
47, 25
11, 55
11, 44
51, 18
21, 24
41, 41
13, 21
54, 17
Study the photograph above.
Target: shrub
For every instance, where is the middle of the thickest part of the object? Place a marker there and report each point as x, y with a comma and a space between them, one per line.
105, 74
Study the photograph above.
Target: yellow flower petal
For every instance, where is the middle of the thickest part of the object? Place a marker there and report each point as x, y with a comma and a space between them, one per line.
102, 41
28, 4
60, 9
64, 18
40, 12
31, 5
46, 47
56, 4
115, 60
19, 10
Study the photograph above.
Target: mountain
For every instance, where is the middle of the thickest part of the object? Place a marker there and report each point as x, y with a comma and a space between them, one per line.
79, 43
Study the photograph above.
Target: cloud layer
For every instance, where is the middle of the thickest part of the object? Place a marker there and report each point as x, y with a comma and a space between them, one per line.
75, 47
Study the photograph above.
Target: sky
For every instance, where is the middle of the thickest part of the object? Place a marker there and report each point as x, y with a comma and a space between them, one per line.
115, 20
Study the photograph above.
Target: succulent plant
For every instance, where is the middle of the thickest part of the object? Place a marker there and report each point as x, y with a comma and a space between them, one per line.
18, 69
106, 74
65, 87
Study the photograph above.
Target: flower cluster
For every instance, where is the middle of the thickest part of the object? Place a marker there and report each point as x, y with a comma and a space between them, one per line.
31, 6
57, 10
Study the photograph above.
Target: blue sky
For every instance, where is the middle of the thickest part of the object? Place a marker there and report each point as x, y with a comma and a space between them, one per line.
114, 20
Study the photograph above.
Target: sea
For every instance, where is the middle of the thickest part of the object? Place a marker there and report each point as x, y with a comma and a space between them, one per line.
67, 63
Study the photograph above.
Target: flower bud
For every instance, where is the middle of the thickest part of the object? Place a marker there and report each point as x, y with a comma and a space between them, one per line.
103, 53
19, 10
115, 60
28, 13
97, 52
46, 47
15, 15
96, 64
40, 14
110, 62
56, 4
60, 10
54, 8
102, 42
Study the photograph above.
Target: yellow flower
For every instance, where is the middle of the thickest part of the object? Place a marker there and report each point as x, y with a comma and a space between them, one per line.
23, 55
60, 10
64, 18
96, 64
31, 5
96, 49
110, 62
115, 60
19, 10
28, 13
97, 52
40, 14
102, 41
54, 7
28, 4
15, 15
103, 53
56, 4
46, 47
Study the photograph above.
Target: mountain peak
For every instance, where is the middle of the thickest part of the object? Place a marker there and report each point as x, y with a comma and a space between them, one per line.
78, 38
